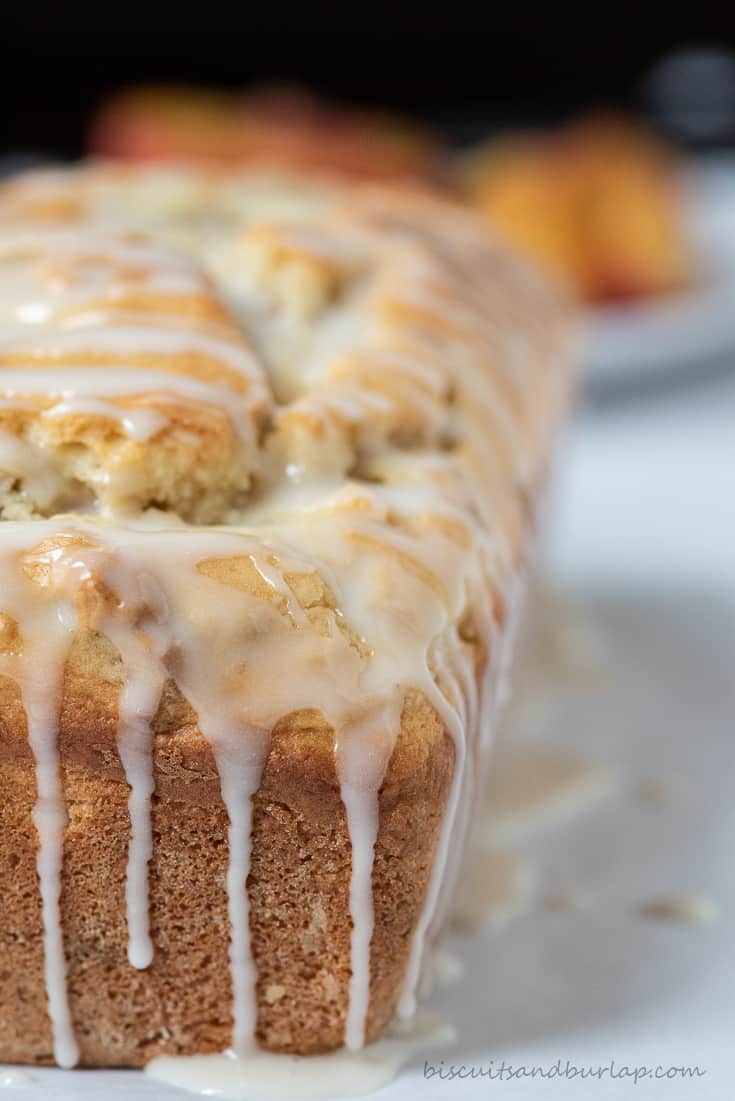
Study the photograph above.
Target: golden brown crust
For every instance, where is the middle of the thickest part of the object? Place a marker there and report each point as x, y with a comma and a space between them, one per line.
298, 886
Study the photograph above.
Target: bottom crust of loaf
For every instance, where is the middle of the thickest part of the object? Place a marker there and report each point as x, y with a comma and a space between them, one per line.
298, 886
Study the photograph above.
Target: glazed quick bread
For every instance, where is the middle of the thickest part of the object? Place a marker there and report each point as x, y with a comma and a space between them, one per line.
269, 454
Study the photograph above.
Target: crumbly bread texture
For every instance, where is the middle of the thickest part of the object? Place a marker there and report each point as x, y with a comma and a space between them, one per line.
269, 449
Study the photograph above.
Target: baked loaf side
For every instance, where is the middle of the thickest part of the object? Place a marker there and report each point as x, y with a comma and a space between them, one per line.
269, 449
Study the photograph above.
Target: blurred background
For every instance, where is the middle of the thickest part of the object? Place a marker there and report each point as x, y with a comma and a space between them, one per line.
464, 66
603, 146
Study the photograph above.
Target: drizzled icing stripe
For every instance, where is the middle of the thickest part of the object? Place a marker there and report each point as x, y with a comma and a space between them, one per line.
49, 818
107, 248
407, 999
239, 781
127, 340
102, 379
143, 679
76, 387
38, 670
361, 809
138, 424
362, 754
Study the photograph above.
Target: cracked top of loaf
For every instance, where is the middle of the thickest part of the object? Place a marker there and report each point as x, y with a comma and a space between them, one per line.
192, 342
331, 404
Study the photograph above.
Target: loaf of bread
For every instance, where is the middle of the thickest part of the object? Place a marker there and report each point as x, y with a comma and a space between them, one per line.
269, 455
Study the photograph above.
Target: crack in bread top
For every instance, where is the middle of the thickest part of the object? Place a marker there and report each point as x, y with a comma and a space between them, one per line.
189, 350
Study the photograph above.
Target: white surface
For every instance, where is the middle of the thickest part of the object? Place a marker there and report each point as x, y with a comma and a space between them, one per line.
645, 541
664, 334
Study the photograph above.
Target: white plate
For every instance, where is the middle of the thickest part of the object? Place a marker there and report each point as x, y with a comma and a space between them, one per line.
625, 343
645, 543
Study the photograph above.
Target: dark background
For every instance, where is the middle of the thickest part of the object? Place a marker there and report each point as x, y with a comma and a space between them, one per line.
463, 67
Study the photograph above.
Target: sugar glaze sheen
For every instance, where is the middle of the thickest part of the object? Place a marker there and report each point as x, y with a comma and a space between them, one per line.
356, 396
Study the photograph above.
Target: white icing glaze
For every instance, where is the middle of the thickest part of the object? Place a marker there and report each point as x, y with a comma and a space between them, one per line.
362, 758
407, 1000
240, 779
139, 424
120, 339
104, 380
38, 669
265, 1077
79, 389
12, 1078
145, 676
362, 822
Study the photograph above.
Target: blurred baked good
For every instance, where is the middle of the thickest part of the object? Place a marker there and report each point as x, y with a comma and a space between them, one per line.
595, 203
272, 127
